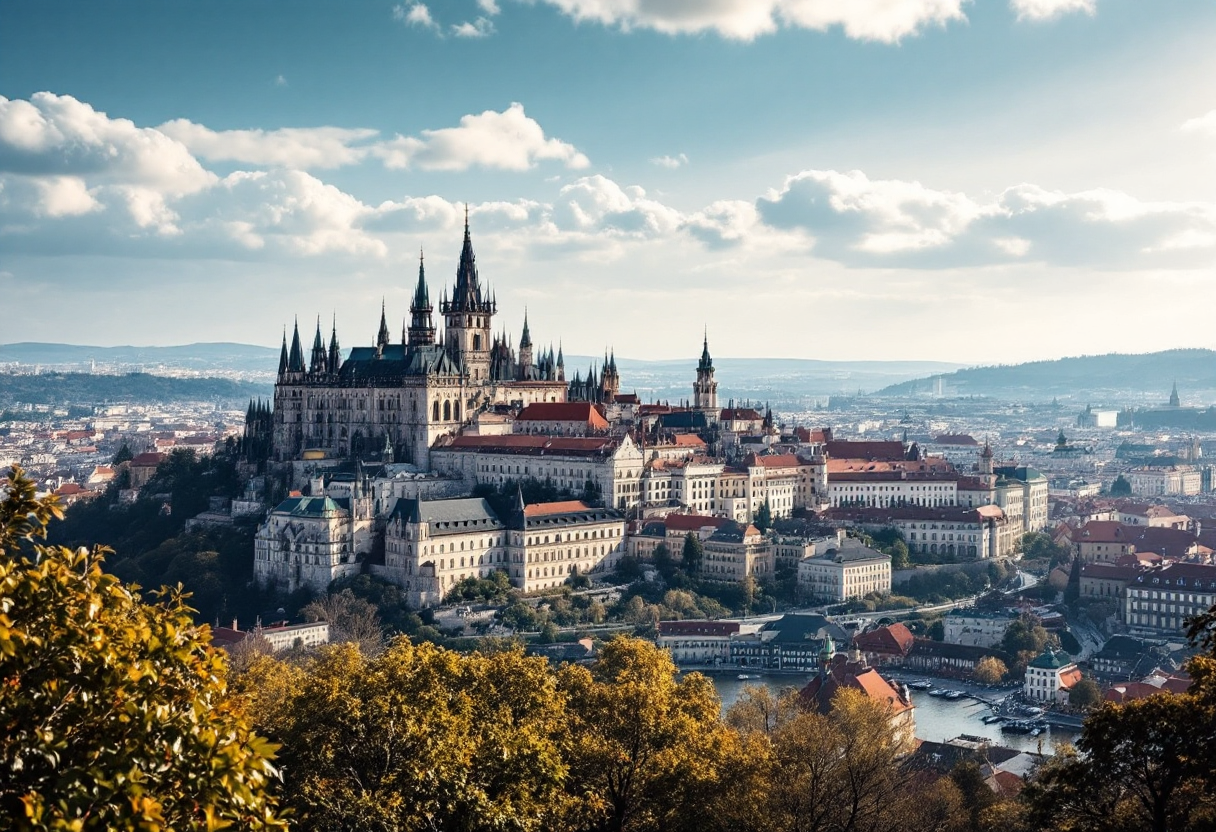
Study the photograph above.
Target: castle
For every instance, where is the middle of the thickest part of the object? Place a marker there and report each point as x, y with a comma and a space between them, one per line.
394, 400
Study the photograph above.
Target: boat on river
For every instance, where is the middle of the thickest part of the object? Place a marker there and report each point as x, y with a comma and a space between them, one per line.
952, 695
937, 692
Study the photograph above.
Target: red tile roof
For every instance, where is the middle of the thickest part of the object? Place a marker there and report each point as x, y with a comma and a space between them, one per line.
892, 640
774, 461
692, 522
843, 449
564, 412
148, 460
533, 444
559, 507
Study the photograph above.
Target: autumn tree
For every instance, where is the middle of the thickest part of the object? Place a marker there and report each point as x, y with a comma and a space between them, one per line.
647, 750
989, 670
416, 737
114, 713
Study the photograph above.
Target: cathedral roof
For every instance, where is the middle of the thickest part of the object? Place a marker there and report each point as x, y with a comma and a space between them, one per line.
396, 362
444, 517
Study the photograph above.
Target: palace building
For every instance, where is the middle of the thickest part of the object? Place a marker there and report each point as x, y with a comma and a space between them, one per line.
396, 399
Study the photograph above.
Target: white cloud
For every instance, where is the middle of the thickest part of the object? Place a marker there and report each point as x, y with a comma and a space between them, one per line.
56, 135
308, 147
1039, 10
415, 14
1205, 123
670, 162
509, 140
886, 21
490, 7
479, 28
856, 221
280, 81
596, 204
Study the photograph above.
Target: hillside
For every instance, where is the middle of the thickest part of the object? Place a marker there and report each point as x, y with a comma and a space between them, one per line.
1102, 378
200, 357
84, 389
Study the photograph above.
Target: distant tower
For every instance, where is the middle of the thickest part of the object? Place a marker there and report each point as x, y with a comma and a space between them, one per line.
987, 472
525, 351
610, 381
320, 358
705, 389
422, 328
382, 336
561, 363
1174, 400
295, 359
335, 352
468, 315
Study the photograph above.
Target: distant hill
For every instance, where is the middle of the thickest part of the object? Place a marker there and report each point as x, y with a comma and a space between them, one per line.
1102, 378
82, 389
217, 357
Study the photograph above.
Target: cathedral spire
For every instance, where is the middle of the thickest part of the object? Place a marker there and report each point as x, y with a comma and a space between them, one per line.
317, 363
525, 340
335, 352
295, 362
422, 329
467, 294
706, 362
382, 337
283, 355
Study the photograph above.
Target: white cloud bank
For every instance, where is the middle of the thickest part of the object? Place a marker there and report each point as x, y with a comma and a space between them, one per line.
886, 21
74, 180
1205, 123
510, 140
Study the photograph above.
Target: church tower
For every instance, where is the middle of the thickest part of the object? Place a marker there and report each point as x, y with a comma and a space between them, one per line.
468, 316
705, 389
422, 328
525, 352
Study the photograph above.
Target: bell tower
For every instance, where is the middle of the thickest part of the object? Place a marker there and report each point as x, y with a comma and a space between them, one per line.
468, 316
705, 389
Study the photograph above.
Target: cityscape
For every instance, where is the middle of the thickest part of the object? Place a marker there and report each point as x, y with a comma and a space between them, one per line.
684, 476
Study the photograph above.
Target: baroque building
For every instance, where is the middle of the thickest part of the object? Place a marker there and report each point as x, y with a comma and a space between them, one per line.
396, 399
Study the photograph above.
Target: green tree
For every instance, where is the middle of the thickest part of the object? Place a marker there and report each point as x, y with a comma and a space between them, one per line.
1025, 635
936, 630
114, 714
124, 455
764, 517
900, 557
1120, 487
693, 554
1085, 694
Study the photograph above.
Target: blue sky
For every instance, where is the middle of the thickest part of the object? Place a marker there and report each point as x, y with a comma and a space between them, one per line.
998, 180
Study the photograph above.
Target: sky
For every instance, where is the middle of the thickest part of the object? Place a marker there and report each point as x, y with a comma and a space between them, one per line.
992, 181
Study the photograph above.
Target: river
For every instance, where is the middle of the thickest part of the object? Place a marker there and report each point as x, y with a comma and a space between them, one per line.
937, 719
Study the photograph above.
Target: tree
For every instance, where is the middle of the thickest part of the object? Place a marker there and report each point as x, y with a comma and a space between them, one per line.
1025, 635
900, 557
989, 670
349, 618
417, 738
936, 630
1120, 487
124, 455
692, 554
114, 714
764, 517
1085, 694
648, 750
1040, 546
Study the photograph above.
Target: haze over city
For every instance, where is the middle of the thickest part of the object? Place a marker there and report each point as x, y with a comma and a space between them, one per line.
806, 179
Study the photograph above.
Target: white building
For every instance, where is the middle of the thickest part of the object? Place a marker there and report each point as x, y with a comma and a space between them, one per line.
1049, 677
312, 541
976, 628
853, 571
697, 642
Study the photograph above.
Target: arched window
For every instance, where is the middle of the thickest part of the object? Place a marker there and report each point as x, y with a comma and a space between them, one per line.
447, 411
456, 411
476, 341
435, 412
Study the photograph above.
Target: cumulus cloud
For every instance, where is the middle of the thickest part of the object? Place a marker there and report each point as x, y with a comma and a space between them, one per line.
885, 21
479, 28
490, 7
1039, 10
1205, 123
597, 204
859, 221
509, 140
670, 162
309, 147
415, 14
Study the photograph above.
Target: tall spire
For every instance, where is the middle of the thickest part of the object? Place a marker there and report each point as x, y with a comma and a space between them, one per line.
706, 362
335, 352
467, 295
525, 340
283, 354
317, 363
422, 329
382, 337
295, 362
